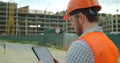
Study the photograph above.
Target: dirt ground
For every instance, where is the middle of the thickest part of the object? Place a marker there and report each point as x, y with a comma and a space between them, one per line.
22, 53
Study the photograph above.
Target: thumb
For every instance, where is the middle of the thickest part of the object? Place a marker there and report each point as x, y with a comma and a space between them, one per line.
39, 62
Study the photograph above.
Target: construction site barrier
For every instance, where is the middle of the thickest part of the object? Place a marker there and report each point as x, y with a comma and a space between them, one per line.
53, 39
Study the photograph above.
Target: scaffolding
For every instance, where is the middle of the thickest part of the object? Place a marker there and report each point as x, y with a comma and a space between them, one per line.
11, 25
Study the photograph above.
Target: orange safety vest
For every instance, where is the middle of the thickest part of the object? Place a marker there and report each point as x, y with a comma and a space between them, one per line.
103, 48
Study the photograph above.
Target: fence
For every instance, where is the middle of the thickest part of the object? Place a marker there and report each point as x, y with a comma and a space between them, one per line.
63, 39
115, 38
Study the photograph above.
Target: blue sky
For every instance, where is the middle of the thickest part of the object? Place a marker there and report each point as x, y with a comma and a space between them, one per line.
108, 6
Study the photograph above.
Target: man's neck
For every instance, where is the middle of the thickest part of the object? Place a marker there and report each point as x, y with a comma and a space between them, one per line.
89, 25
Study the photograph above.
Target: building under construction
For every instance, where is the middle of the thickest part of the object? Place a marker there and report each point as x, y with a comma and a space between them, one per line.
110, 23
23, 21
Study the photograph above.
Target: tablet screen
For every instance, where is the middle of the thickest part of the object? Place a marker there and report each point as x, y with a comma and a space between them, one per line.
43, 54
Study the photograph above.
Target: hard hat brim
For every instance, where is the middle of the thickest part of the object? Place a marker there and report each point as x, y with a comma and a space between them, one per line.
66, 17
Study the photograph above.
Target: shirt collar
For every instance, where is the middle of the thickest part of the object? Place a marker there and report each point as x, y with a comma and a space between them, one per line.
93, 29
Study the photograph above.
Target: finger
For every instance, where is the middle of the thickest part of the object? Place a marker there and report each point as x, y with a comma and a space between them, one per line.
39, 62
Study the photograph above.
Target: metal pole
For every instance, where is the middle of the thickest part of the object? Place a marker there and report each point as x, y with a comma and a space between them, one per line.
4, 46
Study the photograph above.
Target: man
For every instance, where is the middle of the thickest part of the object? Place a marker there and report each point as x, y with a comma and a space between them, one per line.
93, 46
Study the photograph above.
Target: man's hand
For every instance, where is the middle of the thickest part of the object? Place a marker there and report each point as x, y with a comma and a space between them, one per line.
39, 62
56, 61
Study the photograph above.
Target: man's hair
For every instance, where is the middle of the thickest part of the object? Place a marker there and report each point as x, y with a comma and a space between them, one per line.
91, 13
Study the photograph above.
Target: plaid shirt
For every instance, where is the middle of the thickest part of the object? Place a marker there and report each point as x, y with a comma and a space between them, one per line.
80, 51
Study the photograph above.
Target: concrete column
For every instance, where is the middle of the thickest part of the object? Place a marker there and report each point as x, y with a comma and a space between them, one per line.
6, 17
112, 23
26, 25
116, 23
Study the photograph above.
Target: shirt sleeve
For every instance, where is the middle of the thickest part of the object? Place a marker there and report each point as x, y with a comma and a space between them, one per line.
80, 52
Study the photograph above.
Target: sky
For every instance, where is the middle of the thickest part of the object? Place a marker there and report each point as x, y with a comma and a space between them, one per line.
108, 6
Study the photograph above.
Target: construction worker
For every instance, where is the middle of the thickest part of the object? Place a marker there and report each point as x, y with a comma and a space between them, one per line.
93, 46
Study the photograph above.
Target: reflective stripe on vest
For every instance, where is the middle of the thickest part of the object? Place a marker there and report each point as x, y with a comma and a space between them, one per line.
104, 49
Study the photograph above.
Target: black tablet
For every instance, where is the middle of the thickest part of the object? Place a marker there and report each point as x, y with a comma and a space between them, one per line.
43, 54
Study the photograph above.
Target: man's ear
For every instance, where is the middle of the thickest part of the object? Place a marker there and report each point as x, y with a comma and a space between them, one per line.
81, 18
